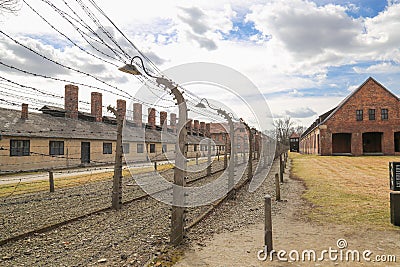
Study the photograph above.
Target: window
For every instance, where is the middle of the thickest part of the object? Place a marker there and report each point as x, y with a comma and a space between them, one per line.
107, 148
242, 130
195, 148
125, 148
56, 147
371, 113
164, 148
152, 148
19, 148
385, 114
140, 148
359, 115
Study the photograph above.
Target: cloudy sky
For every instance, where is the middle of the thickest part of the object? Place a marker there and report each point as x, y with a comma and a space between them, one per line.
303, 56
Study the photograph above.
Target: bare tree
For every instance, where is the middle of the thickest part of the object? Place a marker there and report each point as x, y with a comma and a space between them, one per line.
283, 129
9, 6
300, 129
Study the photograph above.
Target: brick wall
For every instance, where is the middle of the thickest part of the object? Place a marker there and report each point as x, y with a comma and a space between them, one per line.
370, 96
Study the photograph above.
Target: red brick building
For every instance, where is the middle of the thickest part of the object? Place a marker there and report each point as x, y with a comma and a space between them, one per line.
367, 122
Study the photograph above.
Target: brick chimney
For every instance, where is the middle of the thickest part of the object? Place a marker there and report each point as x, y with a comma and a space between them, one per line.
208, 130
96, 104
189, 126
137, 114
121, 107
163, 118
71, 101
172, 122
196, 127
24, 112
152, 117
202, 127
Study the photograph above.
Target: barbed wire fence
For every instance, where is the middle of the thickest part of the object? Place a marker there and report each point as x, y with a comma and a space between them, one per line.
26, 205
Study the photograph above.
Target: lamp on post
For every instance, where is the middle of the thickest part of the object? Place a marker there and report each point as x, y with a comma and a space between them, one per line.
250, 164
178, 212
228, 117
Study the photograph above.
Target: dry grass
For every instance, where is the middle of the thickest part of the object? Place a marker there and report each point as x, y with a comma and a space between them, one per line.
346, 190
71, 181
43, 185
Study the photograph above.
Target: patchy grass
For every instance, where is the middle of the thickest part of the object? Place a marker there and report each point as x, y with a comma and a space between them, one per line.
346, 190
76, 180
43, 185
168, 257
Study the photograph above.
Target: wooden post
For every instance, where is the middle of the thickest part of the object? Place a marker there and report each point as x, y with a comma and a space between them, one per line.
209, 157
51, 181
197, 159
155, 165
268, 224
281, 168
277, 188
284, 162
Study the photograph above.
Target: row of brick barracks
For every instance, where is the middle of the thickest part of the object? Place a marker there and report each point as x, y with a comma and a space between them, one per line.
66, 137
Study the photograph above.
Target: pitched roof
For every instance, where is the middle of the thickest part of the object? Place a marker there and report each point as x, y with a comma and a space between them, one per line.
44, 125
294, 135
353, 93
327, 115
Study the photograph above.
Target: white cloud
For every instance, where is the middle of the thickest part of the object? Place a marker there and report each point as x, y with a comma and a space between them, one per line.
384, 67
295, 92
304, 42
301, 112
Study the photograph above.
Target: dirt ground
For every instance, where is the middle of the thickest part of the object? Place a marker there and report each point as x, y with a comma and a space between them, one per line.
292, 231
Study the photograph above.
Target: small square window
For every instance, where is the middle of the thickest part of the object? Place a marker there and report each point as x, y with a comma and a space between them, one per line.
19, 148
107, 148
359, 115
56, 148
152, 148
125, 148
140, 148
164, 148
385, 114
371, 113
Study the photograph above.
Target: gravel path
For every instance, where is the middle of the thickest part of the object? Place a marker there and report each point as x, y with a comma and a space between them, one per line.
236, 234
128, 237
23, 213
